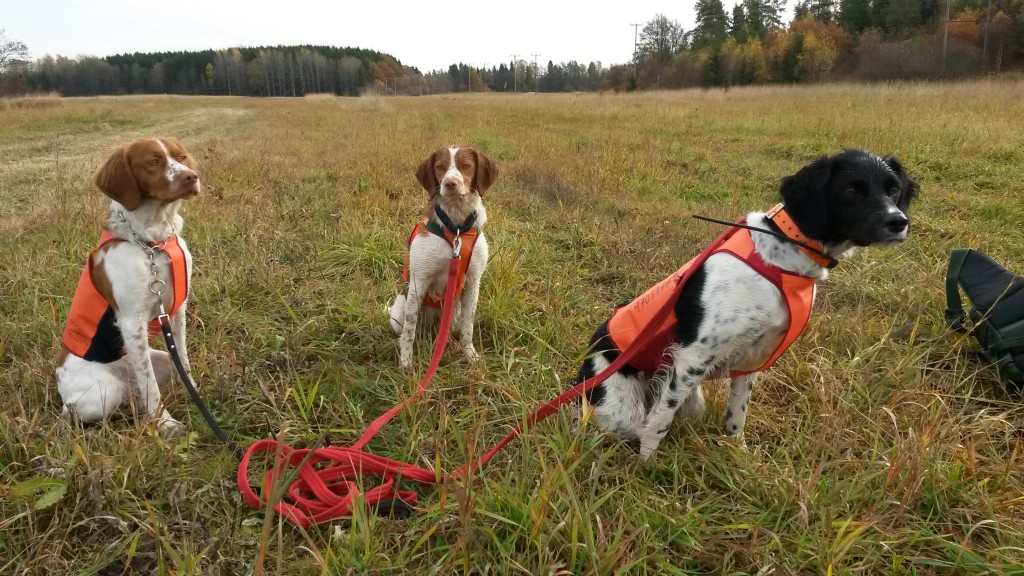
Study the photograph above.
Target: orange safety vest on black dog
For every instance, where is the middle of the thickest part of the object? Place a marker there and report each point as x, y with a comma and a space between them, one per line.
797, 293
91, 332
465, 252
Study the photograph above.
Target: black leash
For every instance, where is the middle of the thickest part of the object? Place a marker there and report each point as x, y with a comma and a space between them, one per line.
831, 261
172, 349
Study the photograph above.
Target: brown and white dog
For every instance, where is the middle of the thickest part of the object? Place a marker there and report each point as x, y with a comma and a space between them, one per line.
107, 362
456, 179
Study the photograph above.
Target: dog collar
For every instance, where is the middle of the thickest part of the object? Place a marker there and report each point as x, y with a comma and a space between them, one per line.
813, 249
447, 222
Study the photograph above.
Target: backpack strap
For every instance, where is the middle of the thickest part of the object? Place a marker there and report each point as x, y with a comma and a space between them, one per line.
955, 316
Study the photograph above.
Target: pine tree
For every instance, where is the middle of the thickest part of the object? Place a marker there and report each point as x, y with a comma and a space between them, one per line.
711, 24
854, 15
762, 16
738, 27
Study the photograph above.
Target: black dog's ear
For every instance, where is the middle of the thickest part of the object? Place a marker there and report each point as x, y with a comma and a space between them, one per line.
805, 195
908, 186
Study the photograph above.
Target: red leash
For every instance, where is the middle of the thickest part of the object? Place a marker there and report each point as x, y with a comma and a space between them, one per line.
327, 493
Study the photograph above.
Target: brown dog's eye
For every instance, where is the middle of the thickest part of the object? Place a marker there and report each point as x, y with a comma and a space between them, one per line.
154, 161
183, 157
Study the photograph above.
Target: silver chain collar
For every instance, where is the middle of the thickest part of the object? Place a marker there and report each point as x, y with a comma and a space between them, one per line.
157, 286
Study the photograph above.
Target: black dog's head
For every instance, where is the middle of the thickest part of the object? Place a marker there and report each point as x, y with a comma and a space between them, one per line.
854, 198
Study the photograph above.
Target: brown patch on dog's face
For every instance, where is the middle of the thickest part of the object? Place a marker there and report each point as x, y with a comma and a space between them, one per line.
457, 171
158, 168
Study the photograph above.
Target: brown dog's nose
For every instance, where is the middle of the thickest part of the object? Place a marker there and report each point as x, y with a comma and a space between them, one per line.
191, 177
450, 184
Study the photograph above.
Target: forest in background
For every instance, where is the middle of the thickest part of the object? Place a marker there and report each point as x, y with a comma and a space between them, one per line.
826, 40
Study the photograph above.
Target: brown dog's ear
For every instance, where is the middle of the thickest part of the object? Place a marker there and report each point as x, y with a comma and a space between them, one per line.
115, 179
486, 172
425, 174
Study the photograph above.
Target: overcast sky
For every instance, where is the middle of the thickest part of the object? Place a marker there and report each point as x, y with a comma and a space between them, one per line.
424, 34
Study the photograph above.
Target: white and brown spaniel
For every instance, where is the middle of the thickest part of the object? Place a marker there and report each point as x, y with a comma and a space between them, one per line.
106, 361
746, 302
455, 179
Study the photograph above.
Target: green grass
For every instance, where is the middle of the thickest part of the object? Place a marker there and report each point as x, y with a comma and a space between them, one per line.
866, 453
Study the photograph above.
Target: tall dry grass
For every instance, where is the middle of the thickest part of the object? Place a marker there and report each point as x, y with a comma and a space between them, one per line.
878, 445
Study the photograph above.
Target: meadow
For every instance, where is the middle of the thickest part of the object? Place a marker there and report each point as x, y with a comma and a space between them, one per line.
879, 444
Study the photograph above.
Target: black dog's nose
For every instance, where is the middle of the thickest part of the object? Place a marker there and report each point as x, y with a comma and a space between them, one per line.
896, 223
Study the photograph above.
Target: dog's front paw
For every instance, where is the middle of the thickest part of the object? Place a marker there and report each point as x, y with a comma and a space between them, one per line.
405, 361
647, 450
471, 353
737, 441
170, 428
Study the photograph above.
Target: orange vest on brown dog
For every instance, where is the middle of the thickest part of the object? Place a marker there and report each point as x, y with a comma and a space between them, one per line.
628, 320
91, 332
465, 252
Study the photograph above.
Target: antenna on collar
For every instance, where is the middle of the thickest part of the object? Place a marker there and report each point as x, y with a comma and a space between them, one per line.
832, 262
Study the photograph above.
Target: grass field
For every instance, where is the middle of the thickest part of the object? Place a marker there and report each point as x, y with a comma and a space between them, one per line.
878, 444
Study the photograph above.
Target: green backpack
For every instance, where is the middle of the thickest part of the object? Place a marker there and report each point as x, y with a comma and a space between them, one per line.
996, 296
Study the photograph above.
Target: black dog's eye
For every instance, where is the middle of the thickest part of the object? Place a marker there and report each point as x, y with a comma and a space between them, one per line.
894, 192
851, 192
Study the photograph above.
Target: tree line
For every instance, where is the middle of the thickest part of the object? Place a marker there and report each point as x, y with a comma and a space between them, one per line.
265, 71
867, 40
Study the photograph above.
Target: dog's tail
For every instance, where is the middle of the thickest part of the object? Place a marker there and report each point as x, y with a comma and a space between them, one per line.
397, 314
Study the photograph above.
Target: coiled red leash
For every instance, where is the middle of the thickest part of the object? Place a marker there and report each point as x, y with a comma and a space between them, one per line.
322, 494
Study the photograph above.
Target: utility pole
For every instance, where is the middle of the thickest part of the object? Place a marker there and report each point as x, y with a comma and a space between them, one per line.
515, 57
636, 28
984, 50
945, 36
536, 72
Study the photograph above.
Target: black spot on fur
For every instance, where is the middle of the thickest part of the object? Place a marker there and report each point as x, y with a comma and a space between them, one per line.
728, 414
689, 311
704, 340
672, 403
744, 407
662, 431
734, 428
601, 343
695, 371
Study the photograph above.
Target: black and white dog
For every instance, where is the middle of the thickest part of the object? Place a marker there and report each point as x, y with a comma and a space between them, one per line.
731, 317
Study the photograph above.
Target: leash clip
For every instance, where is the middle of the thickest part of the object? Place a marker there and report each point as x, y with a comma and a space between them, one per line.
456, 246
163, 317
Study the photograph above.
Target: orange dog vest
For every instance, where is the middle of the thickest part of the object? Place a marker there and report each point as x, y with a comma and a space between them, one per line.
465, 252
91, 331
628, 320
